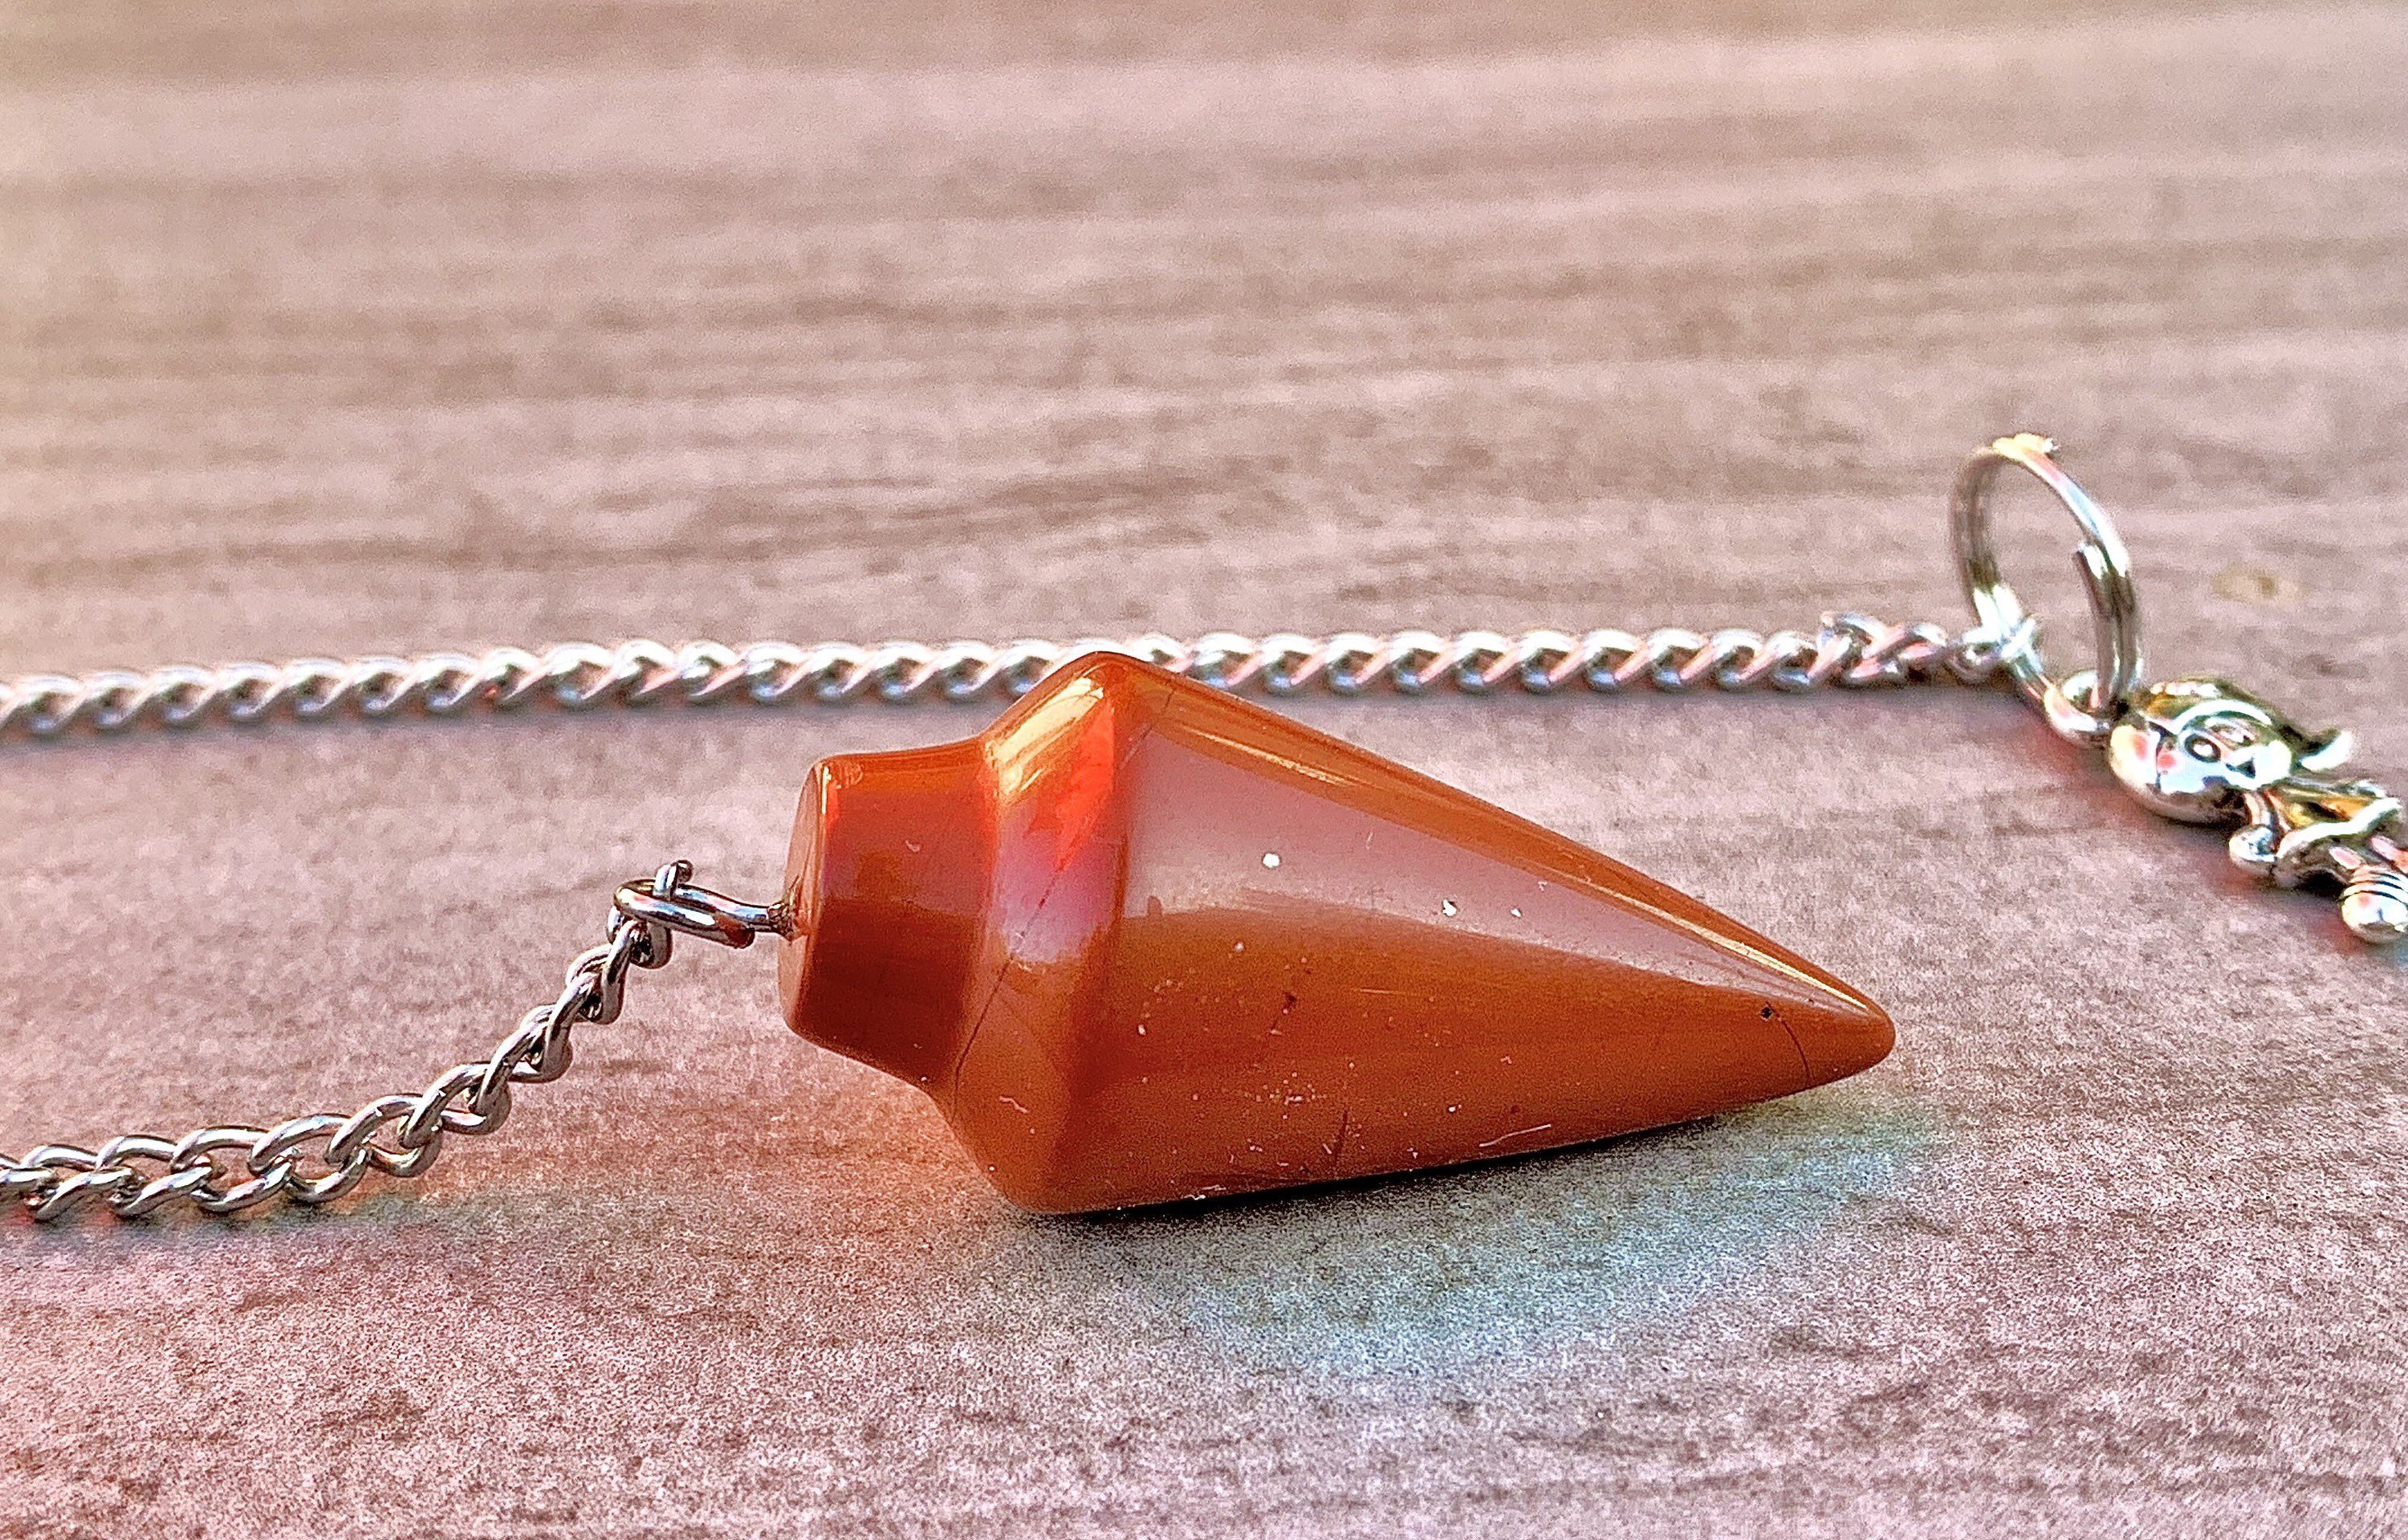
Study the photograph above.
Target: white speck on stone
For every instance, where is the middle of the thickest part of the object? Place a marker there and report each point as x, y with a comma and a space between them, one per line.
1455, 1108
1449, 908
1271, 859
1140, 1029
1240, 947
1518, 913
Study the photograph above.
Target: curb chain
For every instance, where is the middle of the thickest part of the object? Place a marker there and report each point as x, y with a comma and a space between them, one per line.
319, 1157
1845, 652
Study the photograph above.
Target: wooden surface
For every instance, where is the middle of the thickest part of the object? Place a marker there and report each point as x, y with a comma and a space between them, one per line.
343, 328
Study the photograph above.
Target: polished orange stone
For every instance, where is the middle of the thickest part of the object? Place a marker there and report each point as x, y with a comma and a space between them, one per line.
1143, 942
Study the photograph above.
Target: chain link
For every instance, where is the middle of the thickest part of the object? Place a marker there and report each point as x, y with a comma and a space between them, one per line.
1845, 652
319, 1157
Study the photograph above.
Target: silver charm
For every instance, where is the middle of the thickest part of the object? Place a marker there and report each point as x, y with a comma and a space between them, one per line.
2199, 751
2204, 751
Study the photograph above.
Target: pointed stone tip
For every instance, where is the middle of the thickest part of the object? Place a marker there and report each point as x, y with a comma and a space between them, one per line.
1840, 1033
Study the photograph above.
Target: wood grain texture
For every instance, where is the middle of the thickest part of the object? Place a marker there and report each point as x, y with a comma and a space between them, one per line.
343, 328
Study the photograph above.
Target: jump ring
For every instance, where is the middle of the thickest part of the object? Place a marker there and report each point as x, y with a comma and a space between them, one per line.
2082, 707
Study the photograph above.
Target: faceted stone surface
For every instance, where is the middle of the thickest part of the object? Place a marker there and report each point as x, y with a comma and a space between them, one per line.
1144, 941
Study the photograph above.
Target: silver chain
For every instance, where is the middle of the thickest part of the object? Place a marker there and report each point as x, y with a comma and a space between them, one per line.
1847, 652
321, 1156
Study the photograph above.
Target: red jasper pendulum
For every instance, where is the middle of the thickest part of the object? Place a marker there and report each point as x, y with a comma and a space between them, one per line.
1142, 940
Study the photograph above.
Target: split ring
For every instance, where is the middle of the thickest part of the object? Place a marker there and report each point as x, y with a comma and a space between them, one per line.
2083, 706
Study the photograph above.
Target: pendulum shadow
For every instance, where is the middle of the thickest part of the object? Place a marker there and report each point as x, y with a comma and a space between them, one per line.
1442, 1276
